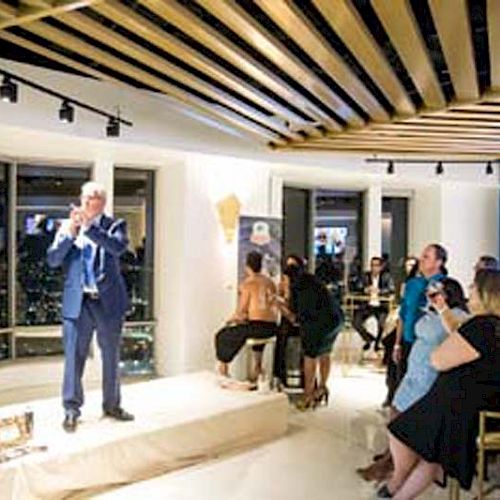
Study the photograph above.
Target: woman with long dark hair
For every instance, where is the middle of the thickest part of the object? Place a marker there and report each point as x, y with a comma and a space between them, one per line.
311, 306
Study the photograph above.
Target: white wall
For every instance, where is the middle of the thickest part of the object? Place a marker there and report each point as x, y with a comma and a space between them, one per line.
197, 268
469, 226
424, 218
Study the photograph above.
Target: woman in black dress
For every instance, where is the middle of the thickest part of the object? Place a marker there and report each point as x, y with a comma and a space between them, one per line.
312, 308
437, 435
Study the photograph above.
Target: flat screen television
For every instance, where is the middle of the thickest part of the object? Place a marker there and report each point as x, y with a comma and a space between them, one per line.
330, 240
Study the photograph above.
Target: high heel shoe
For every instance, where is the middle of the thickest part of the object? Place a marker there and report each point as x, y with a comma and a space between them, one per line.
322, 394
305, 403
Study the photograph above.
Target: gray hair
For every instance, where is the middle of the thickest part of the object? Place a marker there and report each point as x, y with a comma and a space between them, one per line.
92, 188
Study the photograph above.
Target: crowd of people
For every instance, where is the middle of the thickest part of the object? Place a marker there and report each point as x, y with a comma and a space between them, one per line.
442, 352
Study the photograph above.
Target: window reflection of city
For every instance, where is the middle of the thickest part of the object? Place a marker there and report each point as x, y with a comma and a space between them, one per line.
44, 195
39, 286
4, 303
133, 191
137, 278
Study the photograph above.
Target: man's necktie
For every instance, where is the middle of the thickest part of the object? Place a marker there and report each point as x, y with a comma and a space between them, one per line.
88, 266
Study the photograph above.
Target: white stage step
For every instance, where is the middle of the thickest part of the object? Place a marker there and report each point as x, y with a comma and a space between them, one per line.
179, 421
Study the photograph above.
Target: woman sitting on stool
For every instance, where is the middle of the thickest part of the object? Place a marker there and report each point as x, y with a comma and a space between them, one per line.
255, 317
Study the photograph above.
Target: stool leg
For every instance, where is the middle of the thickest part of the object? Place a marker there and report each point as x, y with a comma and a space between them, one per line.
249, 363
480, 474
257, 368
454, 490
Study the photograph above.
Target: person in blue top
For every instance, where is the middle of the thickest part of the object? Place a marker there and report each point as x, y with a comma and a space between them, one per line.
432, 267
430, 333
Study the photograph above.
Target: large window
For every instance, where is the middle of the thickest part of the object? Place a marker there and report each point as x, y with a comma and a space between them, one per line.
33, 201
4, 254
5, 336
134, 202
44, 195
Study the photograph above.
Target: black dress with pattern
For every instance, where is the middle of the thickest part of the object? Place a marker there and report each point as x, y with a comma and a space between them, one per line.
442, 427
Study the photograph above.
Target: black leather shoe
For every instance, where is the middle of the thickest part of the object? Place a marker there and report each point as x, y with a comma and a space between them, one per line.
70, 422
119, 414
384, 492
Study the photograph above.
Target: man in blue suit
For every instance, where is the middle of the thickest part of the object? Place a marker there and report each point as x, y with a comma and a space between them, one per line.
88, 245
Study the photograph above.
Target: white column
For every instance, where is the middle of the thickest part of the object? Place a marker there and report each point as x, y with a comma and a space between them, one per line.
372, 245
275, 208
170, 284
103, 173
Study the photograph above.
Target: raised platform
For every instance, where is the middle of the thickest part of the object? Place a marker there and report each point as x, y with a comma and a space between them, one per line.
179, 421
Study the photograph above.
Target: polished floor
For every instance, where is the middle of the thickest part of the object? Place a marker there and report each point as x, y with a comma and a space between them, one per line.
315, 460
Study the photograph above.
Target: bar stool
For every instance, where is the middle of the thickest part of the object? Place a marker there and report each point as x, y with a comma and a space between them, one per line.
254, 342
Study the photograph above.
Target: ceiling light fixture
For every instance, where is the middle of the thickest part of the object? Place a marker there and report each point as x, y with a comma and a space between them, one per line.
390, 167
489, 168
113, 127
439, 168
67, 112
8, 90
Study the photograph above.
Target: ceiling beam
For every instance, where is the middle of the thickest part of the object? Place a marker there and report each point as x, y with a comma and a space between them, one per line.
437, 127
429, 134
472, 115
139, 25
455, 36
422, 141
7, 11
493, 24
347, 23
451, 121
29, 14
372, 147
292, 20
183, 19
236, 18
402, 28
55, 56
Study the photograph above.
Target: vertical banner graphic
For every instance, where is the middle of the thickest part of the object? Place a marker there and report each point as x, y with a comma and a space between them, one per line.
264, 235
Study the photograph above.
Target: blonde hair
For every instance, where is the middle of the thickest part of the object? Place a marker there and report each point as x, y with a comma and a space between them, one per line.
487, 282
92, 188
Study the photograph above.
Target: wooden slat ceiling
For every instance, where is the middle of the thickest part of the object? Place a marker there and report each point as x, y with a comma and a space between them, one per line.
417, 76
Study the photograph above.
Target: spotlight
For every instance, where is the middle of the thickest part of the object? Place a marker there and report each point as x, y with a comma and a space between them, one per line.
390, 167
489, 168
67, 112
113, 128
8, 90
439, 168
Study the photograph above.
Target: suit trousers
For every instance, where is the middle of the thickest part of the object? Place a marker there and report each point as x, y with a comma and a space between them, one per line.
77, 335
362, 314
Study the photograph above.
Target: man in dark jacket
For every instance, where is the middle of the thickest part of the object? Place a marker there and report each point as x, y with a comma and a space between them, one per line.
375, 284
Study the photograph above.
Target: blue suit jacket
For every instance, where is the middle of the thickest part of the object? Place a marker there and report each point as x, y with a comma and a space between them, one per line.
111, 239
